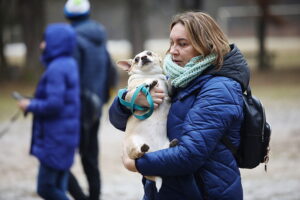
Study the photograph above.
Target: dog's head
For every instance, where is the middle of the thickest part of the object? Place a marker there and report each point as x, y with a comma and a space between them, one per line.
146, 62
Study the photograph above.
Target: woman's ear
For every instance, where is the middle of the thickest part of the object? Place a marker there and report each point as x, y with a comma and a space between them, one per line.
125, 64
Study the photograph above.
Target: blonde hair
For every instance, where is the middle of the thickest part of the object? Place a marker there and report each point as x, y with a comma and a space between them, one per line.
204, 33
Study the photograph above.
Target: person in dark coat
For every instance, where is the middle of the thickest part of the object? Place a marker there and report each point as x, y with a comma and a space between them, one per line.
208, 76
56, 110
97, 76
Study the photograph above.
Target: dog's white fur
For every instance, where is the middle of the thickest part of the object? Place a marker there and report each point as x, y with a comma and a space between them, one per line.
146, 68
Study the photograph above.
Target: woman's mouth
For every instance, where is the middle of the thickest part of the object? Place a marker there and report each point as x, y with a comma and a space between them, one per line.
177, 62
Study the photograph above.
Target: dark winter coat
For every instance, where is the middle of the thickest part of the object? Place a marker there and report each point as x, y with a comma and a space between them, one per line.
95, 68
210, 107
56, 103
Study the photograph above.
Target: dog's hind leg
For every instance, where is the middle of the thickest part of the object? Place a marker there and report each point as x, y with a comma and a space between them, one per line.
157, 180
137, 151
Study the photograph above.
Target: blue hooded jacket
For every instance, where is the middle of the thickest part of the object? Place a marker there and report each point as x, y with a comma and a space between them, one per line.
200, 166
92, 57
56, 103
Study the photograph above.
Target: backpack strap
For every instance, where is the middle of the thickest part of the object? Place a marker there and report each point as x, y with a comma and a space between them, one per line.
249, 94
225, 139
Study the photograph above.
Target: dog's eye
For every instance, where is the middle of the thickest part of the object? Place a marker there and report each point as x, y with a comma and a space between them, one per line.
136, 59
149, 53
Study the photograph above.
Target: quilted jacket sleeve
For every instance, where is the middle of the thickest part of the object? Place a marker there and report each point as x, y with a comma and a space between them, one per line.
118, 115
54, 93
215, 108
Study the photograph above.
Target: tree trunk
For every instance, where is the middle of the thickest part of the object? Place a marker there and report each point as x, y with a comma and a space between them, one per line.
137, 25
3, 63
32, 18
261, 35
263, 58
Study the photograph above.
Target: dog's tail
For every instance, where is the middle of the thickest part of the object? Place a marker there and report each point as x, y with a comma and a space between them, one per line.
158, 182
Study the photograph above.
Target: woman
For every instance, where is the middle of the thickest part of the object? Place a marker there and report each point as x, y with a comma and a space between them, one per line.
208, 77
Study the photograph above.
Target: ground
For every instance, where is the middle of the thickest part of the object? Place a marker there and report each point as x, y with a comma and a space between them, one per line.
279, 91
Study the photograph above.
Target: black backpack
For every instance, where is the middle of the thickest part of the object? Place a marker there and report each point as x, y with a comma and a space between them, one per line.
255, 135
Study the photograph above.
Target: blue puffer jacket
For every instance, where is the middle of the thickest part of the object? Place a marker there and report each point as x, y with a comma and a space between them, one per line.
200, 167
56, 104
92, 57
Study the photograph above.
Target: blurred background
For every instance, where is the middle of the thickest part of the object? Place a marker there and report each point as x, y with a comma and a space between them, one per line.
266, 31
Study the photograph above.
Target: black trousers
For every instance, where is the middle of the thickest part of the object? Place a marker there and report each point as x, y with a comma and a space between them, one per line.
89, 153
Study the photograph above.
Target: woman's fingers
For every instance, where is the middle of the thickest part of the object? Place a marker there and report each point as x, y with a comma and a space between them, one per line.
157, 95
128, 163
157, 101
156, 90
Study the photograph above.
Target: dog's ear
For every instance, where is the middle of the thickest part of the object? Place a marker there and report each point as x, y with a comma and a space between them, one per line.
125, 64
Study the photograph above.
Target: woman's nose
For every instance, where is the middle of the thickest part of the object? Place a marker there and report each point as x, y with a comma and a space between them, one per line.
173, 50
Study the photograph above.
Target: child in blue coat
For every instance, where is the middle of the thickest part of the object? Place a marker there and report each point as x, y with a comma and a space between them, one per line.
56, 110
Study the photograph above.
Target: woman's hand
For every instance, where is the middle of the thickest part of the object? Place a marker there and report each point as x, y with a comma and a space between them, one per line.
128, 163
23, 104
157, 94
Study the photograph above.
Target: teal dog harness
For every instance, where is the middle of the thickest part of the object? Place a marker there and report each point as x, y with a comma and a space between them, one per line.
145, 89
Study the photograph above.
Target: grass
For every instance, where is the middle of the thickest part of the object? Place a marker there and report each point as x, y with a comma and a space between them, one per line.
8, 105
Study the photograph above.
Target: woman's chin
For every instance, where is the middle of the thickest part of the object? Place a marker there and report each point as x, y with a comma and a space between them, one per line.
179, 63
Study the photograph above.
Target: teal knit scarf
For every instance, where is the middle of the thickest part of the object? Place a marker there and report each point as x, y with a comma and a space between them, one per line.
181, 76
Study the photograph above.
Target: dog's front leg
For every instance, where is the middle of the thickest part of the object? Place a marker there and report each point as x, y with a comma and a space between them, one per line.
151, 83
135, 147
173, 143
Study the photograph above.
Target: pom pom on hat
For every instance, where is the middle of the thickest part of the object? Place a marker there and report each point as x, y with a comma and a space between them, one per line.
77, 8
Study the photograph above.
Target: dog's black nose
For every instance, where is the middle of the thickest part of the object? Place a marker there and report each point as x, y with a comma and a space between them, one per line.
144, 58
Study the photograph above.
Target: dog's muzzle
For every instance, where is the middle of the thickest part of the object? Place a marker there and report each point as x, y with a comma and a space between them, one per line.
145, 60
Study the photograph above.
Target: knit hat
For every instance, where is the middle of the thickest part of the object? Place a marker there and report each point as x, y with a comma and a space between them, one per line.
77, 8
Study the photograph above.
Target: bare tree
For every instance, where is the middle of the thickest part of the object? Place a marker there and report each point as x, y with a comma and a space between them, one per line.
5, 17
29, 17
263, 20
263, 5
137, 26
3, 6
32, 19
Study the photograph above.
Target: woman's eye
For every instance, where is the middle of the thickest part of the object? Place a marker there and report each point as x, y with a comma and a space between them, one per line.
182, 44
136, 59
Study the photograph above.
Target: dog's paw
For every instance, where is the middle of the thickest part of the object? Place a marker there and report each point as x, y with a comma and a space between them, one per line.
144, 148
153, 84
173, 143
135, 153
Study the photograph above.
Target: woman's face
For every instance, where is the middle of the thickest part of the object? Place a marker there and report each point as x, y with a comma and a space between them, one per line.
181, 48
